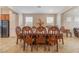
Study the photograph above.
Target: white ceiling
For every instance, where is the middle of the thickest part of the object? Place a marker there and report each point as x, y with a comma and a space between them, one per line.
40, 9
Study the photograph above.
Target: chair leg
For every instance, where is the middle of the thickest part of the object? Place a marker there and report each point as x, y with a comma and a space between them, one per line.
62, 41
17, 41
70, 34
45, 48
57, 47
66, 34
31, 48
48, 47
20, 40
37, 47
24, 46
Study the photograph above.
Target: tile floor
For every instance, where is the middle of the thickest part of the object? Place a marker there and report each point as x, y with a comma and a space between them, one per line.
8, 45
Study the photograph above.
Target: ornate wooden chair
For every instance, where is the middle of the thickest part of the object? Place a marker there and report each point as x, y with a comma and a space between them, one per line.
34, 34
18, 33
53, 40
66, 31
59, 35
47, 29
62, 29
76, 32
40, 37
27, 37
34, 29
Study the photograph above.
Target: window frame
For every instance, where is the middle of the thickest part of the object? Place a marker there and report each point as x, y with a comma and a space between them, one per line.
51, 22
31, 22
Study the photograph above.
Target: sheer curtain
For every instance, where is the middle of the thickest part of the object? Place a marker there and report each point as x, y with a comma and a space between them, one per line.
29, 21
76, 21
50, 21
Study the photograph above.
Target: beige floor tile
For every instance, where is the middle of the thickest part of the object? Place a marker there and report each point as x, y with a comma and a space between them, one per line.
8, 45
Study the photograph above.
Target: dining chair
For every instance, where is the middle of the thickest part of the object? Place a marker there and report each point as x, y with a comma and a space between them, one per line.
52, 38
66, 31
27, 37
34, 34
18, 34
41, 37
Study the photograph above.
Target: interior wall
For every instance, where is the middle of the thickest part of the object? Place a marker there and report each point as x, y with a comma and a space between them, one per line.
36, 17
58, 20
17, 19
21, 20
12, 24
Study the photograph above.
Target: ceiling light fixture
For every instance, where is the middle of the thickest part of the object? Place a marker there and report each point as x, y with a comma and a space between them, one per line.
39, 6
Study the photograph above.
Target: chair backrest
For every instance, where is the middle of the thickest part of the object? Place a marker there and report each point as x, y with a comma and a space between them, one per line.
27, 34
41, 30
26, 30
18, 30
47, 28
40, 34
62, 29
54, 30
34, 29
52, 38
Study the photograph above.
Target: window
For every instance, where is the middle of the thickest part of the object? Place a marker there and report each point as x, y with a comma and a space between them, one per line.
28, 21
50, 21
76, 19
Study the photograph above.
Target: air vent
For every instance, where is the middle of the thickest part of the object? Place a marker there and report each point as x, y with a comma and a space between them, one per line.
39, 6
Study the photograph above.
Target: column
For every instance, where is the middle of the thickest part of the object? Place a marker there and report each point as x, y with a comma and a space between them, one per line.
58, 21
21, 20
12, 24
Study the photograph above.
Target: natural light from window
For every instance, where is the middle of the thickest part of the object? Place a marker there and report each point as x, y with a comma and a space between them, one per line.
76, 19
29, 21
50, 21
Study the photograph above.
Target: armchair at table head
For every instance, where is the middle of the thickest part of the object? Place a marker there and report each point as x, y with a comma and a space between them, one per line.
40, 35
34, 29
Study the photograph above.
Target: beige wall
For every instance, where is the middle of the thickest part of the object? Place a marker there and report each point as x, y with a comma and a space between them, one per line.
20, 20
36, 17
12, 24
5, 10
